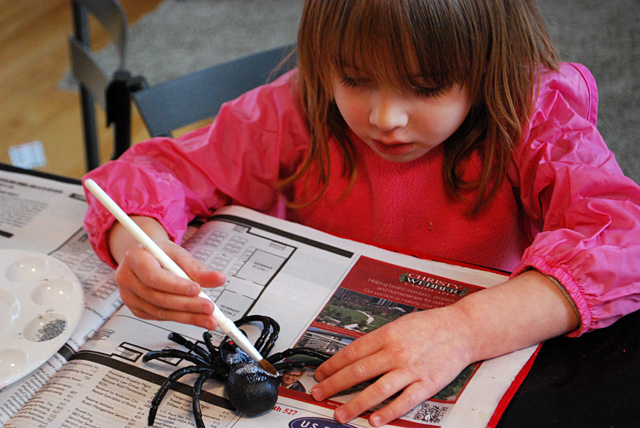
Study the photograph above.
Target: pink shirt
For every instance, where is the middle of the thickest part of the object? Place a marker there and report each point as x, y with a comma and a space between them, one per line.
566, 208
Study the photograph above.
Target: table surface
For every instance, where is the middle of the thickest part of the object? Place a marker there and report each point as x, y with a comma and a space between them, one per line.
590, 381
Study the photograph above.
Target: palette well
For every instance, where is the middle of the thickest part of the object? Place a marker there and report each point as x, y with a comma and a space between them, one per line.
41, 302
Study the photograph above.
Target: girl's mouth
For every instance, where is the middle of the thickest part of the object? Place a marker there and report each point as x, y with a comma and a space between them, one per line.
392, 148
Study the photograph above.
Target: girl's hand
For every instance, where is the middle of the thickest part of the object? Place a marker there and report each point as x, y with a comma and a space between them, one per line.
416, 356
154, 293
421, 353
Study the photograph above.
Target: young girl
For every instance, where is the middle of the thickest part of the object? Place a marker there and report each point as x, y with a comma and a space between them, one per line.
441, 127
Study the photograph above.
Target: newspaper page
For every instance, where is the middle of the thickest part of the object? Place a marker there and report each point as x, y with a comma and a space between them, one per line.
323, 291
36, 213
45, 216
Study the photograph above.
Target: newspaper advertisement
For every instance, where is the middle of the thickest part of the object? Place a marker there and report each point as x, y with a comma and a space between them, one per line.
323, 291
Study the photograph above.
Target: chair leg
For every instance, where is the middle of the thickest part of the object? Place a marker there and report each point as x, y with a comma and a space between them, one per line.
92, 158
81, 30
119, 108
119, 111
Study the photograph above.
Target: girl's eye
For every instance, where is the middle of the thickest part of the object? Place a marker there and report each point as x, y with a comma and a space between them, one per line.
354, 82
428, 91
421, 90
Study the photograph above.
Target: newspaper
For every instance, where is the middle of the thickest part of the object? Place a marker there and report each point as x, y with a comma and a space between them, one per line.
36, 213
45, 216
322, 290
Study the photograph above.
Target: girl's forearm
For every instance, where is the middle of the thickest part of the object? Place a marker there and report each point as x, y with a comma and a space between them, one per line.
518, 313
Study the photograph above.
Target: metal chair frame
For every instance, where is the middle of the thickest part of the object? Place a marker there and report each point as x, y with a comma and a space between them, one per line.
111, 90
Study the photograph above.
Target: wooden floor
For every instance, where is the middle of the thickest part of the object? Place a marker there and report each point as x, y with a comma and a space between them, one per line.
33, 59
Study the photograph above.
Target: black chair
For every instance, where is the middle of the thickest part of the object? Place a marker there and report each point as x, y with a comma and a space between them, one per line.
197, 96
111, 89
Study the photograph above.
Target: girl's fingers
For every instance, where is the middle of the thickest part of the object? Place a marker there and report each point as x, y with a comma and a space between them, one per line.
414, 392
147, 270
208, 278
355, 352
411, 397
194, 268
173, 302
413, 369
143, 309
361, 361
183, 258
160, 291
154, 293
371, 396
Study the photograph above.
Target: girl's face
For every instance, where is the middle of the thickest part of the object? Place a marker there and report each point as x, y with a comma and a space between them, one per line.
400, 125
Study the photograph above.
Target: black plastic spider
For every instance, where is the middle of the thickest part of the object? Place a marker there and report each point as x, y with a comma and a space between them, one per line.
251, 389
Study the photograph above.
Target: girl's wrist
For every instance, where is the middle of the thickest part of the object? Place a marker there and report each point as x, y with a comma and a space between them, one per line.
518, 313
119, 240
470, 335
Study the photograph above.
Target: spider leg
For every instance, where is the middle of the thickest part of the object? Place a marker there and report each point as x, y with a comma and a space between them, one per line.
216, 361
181, 340
266, 327
166, 385
174, 353
310, 352
275, 327
270, 332
213, 351
195, 398
286, 365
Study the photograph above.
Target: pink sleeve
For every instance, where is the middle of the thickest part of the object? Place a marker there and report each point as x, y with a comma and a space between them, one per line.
236, 160
585, 214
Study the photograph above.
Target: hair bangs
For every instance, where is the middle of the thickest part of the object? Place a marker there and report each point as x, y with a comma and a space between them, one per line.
406, 44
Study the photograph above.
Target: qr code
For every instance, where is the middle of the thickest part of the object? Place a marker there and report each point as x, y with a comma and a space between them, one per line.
430, 413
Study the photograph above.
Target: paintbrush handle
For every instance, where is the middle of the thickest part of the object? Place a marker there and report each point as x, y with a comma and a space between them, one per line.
225, 324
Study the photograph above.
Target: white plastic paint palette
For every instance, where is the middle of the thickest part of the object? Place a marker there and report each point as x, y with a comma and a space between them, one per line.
41, 302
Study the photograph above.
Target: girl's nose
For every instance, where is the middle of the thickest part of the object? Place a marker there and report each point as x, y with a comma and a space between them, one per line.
388, 111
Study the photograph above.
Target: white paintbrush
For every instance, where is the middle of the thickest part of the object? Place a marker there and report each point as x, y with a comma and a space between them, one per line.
225, 324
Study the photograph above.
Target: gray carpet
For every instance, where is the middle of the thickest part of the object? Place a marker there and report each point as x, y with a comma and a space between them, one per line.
181, 36
605, 36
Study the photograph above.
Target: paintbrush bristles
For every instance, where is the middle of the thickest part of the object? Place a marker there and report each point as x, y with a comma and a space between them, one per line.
266, 365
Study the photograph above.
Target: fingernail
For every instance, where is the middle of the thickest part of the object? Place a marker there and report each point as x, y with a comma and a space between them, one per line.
210, 326
315, 393
341, 416
206, 306
374, 420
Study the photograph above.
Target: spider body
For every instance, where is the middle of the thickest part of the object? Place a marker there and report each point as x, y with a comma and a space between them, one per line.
251, 389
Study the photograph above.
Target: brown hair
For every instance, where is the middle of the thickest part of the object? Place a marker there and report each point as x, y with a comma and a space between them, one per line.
494, 48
